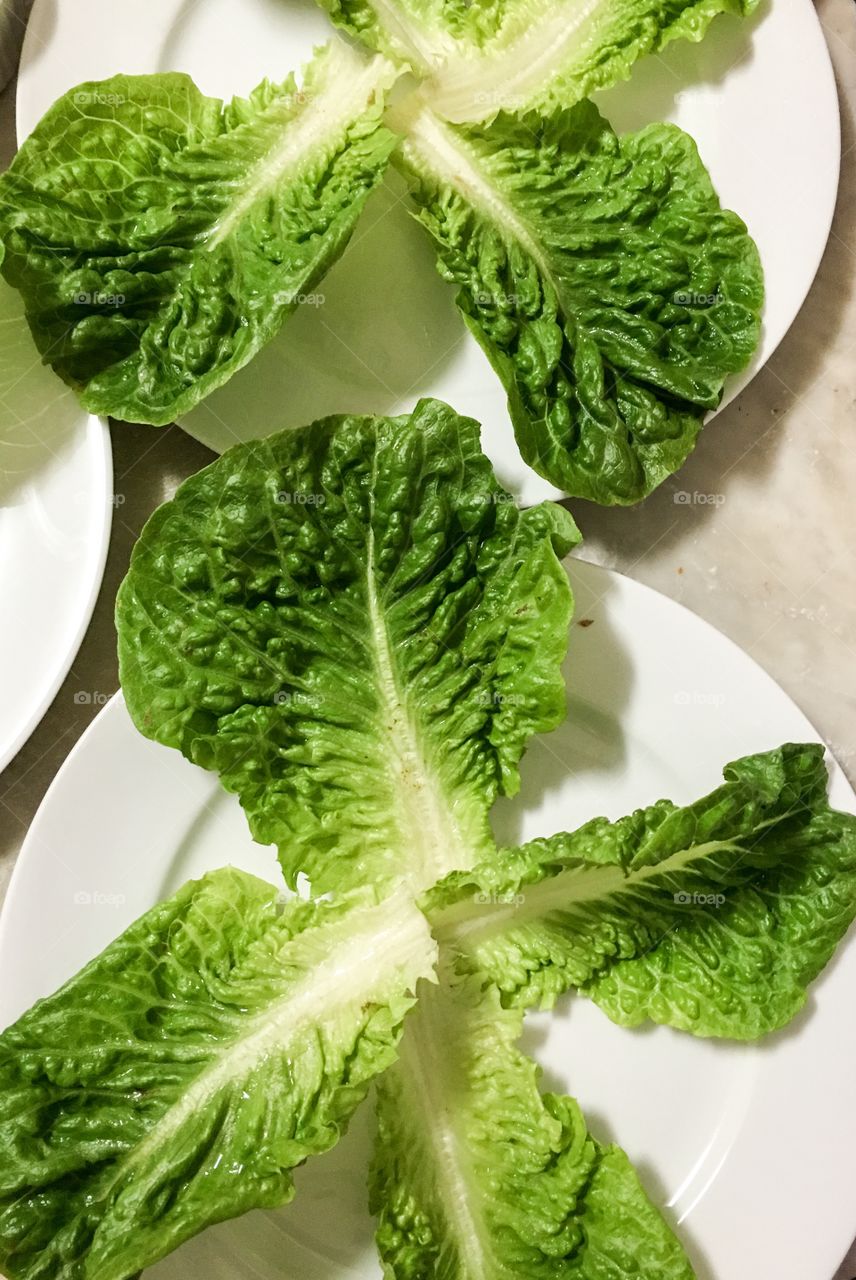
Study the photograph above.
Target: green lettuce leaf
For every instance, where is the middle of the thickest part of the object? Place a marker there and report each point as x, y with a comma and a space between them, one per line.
355, 626
714, 918
478, 1176
523, 54
160, 237
611, 292
182, 1076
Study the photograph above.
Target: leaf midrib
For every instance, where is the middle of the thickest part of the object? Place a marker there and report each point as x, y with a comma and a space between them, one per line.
455, 164
386, 939
410, 35
433, 841
421, 1068
324, 119
523, 64
574, 887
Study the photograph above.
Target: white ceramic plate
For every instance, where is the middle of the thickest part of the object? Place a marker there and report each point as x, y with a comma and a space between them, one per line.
758, 97
55, 509
751, 1148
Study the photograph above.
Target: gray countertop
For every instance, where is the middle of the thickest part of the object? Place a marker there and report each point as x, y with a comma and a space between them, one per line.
773, 564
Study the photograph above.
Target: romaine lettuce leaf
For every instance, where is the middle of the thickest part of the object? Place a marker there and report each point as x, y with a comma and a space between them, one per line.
355, 626
714, 918
160, 237
544, 55
523, 54
611, 292
478, 1176
182, 1076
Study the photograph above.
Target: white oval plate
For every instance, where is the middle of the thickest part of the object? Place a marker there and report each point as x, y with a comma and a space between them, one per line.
745, 1145
759, 98
55, 511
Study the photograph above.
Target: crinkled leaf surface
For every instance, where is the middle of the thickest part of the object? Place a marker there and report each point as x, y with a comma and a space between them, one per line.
180, 1077
714, 918
355, 626
478, 1176
545, 55
523, 54
160, 237
611, 292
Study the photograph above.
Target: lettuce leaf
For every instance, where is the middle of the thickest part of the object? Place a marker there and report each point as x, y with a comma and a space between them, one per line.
714, 918
523, 54
544, 56
611, 292
182, 1076
478, 1176
357, 629
160, 237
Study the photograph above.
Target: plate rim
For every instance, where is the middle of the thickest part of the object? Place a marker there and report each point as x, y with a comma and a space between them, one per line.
96, 435
95, 432
736, 385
